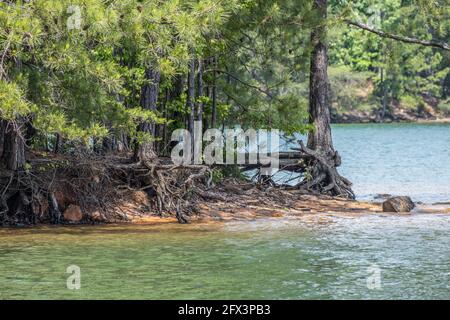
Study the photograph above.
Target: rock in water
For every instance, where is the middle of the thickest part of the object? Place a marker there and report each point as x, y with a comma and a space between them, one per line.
398, 204
73, 214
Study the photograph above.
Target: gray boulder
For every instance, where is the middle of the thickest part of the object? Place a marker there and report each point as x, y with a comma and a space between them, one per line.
398, 204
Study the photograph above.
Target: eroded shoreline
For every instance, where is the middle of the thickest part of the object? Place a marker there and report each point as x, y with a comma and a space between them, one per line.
306, 207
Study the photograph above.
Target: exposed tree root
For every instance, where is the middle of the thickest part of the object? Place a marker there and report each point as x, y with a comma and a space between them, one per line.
17, 197
98, 184
324, 175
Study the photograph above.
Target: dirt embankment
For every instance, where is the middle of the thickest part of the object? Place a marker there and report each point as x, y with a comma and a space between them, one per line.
252, 204
65, 189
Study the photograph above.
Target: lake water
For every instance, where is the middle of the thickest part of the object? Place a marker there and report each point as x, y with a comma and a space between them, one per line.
371, 257
400, 159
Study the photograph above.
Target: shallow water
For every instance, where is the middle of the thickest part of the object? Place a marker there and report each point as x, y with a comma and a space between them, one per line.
266, 259
280, 258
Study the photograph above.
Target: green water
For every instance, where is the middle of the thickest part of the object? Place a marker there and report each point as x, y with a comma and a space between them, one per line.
267, 259
276, 258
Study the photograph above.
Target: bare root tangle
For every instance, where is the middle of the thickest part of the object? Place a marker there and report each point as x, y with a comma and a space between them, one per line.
101, 184
324, 175
318, 173
97, 183
17, 191
174, 188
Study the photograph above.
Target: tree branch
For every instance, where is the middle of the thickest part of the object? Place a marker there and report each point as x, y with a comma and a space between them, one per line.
266, 92
427, 43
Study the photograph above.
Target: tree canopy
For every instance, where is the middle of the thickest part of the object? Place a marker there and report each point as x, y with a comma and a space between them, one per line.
76, 68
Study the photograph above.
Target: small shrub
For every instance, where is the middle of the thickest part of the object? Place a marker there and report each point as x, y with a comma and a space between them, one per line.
444, 106
410, 102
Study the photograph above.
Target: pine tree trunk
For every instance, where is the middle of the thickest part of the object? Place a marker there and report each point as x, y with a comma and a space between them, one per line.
2, 135
15, 205
190, 104
57, 146
319, 100
108, 144
323, 159
200, 87
214, 95
149, 100
13, 155
384, 86
162, 129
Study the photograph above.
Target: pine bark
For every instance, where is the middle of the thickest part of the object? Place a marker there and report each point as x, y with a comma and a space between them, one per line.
200, 89
13, 155
15, 204
323, 159
319, 99
214, 95
149, 100
190, 103
2, 135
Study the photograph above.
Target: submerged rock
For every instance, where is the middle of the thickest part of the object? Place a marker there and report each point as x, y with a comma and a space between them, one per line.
73, 214
398, 204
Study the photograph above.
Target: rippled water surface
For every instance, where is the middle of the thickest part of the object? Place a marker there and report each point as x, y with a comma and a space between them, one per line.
267, 259
328, 258
406, 159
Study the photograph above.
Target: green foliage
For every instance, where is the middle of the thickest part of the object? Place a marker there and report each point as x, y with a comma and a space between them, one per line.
12, 102
351, 90
266, 72
444, 106
82, 62
217, 175
410, 102
402, 72
77, 67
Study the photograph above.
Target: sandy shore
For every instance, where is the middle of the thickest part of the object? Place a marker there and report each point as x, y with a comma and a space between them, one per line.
440, 120
247, 206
